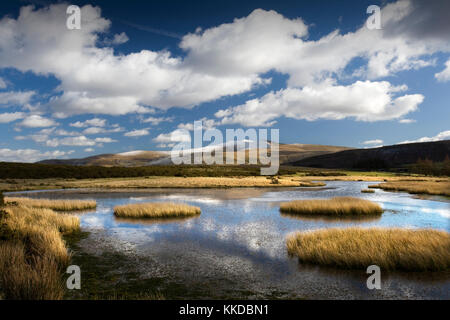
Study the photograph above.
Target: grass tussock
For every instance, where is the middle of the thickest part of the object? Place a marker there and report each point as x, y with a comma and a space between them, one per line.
358, 248
33, 254
310, 184
335, 207
58, 205
156, 210
441, 188
367, 191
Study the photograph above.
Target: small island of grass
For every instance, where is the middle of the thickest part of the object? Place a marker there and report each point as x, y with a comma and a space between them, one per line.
358, 248
367, 191
57, 205
156, 210
335, 207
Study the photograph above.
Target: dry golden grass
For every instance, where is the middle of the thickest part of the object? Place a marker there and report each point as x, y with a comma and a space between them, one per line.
33, 255
156, 210
24, 277
58, 205
196, 182
367, 191
335, 207
358, 248
417, 187
311, 184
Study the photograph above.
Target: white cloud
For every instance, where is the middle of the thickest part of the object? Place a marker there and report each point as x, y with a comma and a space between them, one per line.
206, 124
98, 81
373, 142
3, 84
156, 120
10, 117
89, 150
94, 122
137, 133
407, 121
178, 135
15, 98
444, 135
105, 140
29, 155
444, 75
98, 130
363, 101
229, 59
37, 121
79, 141
118, 38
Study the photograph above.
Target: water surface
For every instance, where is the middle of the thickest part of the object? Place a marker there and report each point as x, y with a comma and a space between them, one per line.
236, 247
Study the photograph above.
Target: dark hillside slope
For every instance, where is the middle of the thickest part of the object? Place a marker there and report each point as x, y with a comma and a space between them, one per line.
380, 158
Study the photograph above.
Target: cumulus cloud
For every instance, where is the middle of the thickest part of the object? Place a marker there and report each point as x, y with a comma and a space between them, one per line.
15, 97
52, 137
137, 133
178, 135
30, 155
37, 121
362, 100
94, 122
3, 84
156, 120
407, 121
444, 75
10, 117
229, 59
118, 38
444, 135
98, 81
206, 124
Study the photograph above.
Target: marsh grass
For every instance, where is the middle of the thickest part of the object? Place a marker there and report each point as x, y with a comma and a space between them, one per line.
358, 248
309, 184
33, 254
367, 191
156, 210
58, 205
335, 207
417, 187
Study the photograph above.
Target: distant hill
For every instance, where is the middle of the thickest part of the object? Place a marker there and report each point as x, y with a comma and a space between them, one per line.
379, 158
288, 153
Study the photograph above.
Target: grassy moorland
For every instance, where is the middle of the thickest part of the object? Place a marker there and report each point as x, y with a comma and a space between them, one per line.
439, 187
335, 207
357, 248
33, 254
57, 205
156, 210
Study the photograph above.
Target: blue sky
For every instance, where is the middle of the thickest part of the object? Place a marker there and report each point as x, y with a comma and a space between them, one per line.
139, 72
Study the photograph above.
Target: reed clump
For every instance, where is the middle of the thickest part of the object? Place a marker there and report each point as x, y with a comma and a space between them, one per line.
33, 254
156, 210
358, 248
441, 188
58, 205
335, 207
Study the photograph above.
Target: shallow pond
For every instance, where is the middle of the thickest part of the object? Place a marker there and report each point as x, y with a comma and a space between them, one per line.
236, 248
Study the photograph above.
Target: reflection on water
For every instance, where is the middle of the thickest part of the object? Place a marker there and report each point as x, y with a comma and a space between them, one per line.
238, 242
